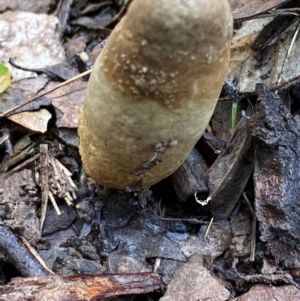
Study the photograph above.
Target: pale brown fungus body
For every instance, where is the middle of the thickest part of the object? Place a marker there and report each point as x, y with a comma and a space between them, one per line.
153, 90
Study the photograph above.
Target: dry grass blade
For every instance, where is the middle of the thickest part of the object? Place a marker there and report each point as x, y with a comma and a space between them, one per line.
44, 177
35, 254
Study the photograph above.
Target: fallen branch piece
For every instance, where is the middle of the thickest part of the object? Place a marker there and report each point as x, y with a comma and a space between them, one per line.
75, 288
19, 256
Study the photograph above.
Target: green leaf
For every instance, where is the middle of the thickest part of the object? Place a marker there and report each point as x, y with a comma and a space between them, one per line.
233, 115
5, 80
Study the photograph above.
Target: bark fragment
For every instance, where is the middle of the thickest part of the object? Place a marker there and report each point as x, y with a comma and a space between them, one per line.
230, 173
75, 288
277, 176
276, 172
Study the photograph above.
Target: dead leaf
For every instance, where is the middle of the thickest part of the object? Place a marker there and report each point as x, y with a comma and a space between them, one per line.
32, 84
36, 120
271, 66
247, 8
68, 101
14, 97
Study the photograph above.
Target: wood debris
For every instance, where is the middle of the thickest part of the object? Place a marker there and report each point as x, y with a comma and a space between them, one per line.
78, 287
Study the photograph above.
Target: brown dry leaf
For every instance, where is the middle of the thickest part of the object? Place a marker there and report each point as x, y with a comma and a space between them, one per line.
241, 51
68, 101
36, 120
269, 66
248, 8
31, 84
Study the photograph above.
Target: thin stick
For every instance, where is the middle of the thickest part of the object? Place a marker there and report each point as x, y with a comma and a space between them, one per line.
208, 228
46, 92
253, 240
156, 264
19, 167
63, 168
44, 176
253, 234
288, 53
68, 199
52, 199
188, 220
19, 157
35, 254
249, 204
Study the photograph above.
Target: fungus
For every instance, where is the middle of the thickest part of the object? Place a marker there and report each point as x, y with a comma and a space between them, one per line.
153, 90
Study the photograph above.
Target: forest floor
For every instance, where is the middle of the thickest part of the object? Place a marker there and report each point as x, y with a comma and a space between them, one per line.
224, 226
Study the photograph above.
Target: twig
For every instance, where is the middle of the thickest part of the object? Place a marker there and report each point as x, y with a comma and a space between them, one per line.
17, 158
68, 199
18, 255
62, 184
156, 264
79, 287
52, 199
188, 220
46, 92
68, 175
289, 10
19, 167
35, 254
63, 168
286, 85
249, 204
288, 52
253, 234
208, 228
44, 181
253, 240
55, 13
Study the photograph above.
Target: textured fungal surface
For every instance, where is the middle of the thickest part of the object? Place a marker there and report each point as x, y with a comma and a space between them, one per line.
153, 90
